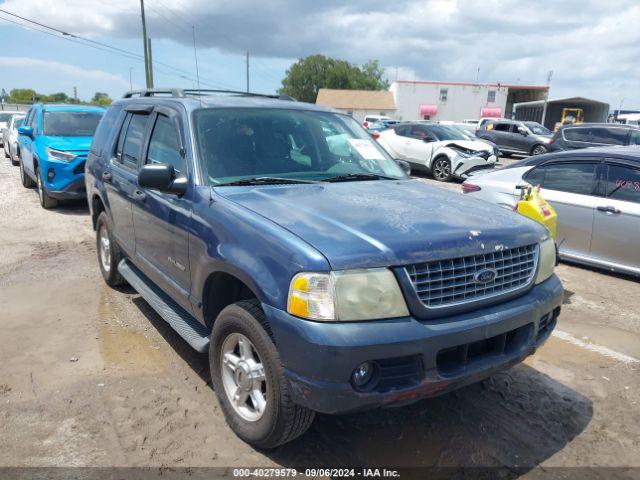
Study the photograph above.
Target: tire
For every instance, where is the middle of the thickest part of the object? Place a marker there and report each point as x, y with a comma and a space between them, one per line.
14, 158
538, 150
46, 201
280, 420
441, 169
27, 181
106, 245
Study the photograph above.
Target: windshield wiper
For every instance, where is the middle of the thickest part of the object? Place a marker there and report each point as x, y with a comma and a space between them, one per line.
358, 176
263, 181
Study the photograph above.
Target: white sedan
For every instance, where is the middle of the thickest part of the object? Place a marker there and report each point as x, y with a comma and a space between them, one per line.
443, 151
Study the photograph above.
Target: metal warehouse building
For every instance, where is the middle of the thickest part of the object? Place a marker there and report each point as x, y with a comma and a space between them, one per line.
421, 100
549, 113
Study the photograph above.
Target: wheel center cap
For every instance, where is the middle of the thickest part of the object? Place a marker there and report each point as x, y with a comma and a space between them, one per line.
244, 379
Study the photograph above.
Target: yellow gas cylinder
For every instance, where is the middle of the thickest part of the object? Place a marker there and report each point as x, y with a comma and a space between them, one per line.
532, 205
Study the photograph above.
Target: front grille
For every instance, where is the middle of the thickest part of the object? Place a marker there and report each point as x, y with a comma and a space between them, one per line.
444, 283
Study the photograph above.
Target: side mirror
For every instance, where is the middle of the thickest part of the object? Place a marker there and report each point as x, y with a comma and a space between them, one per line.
522, 131
428, 139
26, 130
162, 177
405, 166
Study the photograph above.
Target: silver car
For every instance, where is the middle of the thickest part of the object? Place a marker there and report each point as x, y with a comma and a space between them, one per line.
9, 135
596, 194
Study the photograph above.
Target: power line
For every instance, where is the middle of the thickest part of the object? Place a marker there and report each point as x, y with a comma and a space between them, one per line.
97, 45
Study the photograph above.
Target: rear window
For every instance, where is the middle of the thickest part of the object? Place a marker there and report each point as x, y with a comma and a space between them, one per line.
577, 134
105, 127
71, 124
610, 136
623, 183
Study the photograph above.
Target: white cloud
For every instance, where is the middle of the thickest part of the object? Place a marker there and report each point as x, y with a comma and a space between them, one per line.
592, 46
42, 74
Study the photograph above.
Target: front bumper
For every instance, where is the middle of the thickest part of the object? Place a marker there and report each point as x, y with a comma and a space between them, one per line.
68, 179
319, 358
464, 166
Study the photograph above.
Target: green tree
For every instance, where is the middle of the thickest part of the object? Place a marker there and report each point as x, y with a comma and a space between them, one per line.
101, 98
305, 77
59, 97
22, 95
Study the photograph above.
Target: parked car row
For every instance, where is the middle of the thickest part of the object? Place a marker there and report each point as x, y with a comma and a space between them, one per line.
596, 194
9, 123
281, 238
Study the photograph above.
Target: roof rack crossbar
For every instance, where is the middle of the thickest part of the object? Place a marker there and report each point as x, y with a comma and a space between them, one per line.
197, 92
149, 92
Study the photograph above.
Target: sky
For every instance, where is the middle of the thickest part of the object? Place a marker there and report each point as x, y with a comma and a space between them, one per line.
592, 47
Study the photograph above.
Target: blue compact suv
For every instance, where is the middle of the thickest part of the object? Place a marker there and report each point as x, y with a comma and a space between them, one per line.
53, 143
281, 239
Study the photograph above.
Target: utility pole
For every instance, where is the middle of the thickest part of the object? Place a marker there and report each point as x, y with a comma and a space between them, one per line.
75, 94
546, 99
150, 63
247, 71
130, 78
145, 43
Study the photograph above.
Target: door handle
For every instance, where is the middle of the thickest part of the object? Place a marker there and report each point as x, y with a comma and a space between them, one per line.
106, 176
608, 209
140, 196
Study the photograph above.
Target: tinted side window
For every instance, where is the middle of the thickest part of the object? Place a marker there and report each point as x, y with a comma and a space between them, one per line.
402, 131
570, 177
501, 127
535, 176
623, 183
131, 139
634, 139
577, 134
105, 127
419, 132
164, 145
611, 136
27, 119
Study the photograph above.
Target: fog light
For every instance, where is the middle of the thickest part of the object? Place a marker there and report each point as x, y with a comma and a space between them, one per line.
363, 374
51, 173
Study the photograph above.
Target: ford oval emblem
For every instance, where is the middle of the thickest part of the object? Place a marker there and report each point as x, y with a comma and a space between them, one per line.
485, 275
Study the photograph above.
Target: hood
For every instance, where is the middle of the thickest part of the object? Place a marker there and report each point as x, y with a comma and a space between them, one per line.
69, 144
386, 223
469, 144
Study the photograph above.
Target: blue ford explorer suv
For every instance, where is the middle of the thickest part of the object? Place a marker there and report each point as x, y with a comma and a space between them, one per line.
277, 236
53, 143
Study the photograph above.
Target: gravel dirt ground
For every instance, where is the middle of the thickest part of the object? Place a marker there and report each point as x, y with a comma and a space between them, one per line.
91, 376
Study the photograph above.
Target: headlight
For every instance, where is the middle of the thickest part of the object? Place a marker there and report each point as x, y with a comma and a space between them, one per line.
60, 155
546, 259
346, 296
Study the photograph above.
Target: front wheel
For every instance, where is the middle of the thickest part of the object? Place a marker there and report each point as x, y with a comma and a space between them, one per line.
45, 200
248, 378
538, 150
441, 169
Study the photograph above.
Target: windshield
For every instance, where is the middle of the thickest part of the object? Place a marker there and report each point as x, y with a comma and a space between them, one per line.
71, 124
236, 144
445, 132
17, 121
465, 133
538, 129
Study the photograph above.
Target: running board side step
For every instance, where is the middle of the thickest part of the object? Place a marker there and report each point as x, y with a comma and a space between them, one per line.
194, 333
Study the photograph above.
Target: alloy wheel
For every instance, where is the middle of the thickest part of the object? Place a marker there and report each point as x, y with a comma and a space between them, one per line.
539, 150
243, 377
441, 169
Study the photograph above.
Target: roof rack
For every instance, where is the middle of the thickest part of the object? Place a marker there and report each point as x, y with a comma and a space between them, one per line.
182, 93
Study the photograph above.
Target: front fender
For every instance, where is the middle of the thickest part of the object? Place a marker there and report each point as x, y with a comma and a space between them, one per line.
229, 238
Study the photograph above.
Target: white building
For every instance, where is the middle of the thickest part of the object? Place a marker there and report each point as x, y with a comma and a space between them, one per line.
358, 103
420, 100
